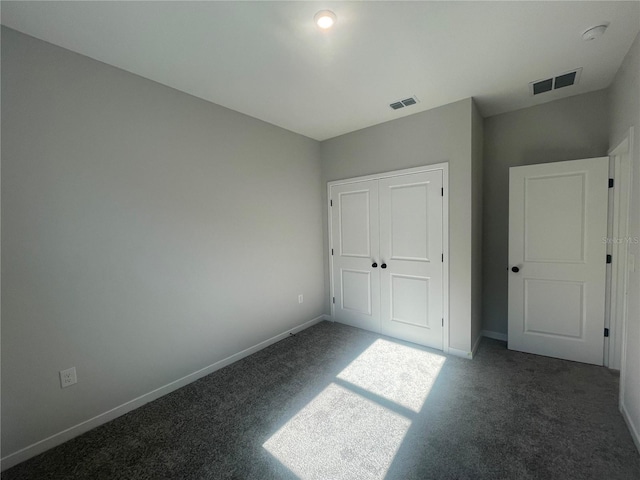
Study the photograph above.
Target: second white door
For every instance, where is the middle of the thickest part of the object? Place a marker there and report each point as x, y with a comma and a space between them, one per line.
387, 244
557, 257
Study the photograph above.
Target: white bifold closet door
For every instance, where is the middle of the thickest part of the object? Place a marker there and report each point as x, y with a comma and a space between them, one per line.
387, 256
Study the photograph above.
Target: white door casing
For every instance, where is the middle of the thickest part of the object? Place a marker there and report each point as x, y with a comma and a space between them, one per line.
388, 245
557, 258
618, 244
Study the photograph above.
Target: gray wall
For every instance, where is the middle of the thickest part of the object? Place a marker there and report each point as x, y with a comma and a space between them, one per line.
625, 114
434, 136
477, 141
145, 234
568, 129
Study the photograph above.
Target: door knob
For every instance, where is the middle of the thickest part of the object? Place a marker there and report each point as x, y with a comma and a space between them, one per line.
384, 265
374, 264
515, 269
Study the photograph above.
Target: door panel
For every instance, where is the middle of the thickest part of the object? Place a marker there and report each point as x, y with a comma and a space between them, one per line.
410, 300
409, 238
554, 203
355, 231
355, 243
411, 287
356, 291
554, 308
557, 223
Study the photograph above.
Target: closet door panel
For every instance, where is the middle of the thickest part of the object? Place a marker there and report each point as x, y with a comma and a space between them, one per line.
411, 220
355, 244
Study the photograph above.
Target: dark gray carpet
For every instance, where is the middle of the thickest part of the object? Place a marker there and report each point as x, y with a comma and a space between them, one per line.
338, 402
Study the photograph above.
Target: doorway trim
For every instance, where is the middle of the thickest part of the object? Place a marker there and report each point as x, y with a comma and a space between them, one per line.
617, 282
444, 167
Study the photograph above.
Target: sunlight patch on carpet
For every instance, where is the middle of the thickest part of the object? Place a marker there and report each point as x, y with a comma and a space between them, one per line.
355, 426
339, 435
399, 373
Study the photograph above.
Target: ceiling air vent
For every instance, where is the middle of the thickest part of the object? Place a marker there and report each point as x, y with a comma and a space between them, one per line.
542, 86
404, 103
565, 80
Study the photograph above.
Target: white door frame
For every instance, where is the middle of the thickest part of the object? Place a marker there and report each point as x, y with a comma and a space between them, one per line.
618, 247
444, 167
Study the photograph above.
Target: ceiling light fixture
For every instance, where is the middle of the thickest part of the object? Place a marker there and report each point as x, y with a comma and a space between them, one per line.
594, 33
325, 19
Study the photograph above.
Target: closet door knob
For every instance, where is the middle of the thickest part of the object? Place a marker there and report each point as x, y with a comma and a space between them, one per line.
374, 264
515, 269
384, 265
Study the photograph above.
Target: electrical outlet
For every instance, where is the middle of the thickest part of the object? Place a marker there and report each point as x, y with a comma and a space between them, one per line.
68, 377
300, 298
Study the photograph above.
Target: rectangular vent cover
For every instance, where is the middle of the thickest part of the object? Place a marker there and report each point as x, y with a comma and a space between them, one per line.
564, 80
543, 86
404, 103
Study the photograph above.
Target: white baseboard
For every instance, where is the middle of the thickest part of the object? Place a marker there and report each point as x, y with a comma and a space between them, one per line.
464, 353
494, 335
460, 353
635, 431
82, 427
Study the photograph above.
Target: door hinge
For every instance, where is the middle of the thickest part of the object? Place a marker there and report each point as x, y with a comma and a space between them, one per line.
609, 259
332, 251
442, 192
443, 322
334, 299
606, 332
331, 203
611, 183
442, 257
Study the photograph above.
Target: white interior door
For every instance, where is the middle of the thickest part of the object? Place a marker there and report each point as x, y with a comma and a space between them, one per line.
355, 249
411, 249
557, 258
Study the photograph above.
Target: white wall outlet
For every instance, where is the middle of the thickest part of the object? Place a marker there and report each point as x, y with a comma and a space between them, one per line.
300, 298
68, 377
